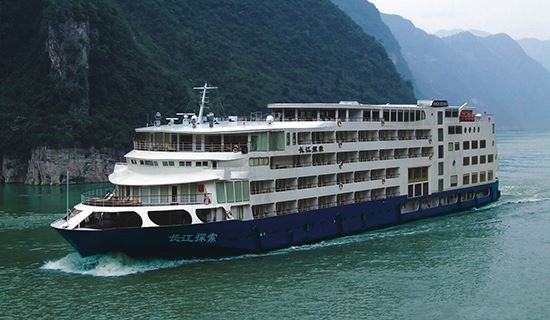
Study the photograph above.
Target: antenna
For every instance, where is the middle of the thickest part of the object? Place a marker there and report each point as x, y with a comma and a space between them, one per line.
68, 192
204, 89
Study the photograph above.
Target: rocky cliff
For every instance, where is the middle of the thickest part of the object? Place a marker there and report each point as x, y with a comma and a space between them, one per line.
48, 166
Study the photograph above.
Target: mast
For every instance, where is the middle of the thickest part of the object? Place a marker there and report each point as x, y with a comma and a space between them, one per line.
204, 89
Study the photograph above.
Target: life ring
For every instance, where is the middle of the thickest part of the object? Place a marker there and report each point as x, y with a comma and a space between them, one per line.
236, 148
341, 164
340, 144
207, 200
430, 157
382, 122
339, 122
430, 141
228, 215
341, 185
383, 181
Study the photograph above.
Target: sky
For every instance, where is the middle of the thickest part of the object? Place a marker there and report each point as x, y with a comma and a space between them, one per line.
519, 19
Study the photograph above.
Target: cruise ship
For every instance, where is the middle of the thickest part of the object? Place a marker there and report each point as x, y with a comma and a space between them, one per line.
202, 186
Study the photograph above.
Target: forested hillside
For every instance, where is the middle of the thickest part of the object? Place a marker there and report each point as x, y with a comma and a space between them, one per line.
367, 16
86, 72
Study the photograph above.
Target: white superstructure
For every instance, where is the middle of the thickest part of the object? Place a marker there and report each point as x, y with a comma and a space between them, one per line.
303, 157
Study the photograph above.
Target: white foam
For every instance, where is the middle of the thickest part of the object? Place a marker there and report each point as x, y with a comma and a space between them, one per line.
109, 265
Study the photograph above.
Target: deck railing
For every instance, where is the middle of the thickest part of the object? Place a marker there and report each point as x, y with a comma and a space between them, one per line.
106, 197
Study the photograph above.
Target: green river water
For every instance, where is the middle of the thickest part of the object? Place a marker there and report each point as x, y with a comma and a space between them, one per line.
489, 263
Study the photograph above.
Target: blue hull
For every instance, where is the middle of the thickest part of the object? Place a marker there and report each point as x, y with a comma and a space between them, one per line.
235, 237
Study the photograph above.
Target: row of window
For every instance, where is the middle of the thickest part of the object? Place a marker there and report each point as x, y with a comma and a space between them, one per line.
476, 177
466, 161
152, 163
232, 191
473, 178
474, 144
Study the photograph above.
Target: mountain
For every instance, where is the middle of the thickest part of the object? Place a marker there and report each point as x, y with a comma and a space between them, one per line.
367, 16
447, 33
538, 50
492, 73
78, 73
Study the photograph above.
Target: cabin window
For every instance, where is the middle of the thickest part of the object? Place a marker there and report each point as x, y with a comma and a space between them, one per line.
457, 146
230, 192
490, 175
490, 158
238, 191
482, 144
482, 159
474, 177
439, 117
288, 138
440, 150
482, 176
474, 144
466, 145
454, 180
277, 141
466, 179
258, 142
170, 218
400, 115
451, 146
440, 136
375, 115
112, 220
440, 185
220, 192
440, 168
386, 115
474, 160
393, 115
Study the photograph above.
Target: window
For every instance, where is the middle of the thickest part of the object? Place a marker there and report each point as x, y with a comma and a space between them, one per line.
294, 139
454, 180
457, 146
440, 134
482, 144
466, 145
440, 185
451, 130
288, 138
400, 115
474, 177
451, 146
440, 168
151, 163
474, 144
482, 159
466, 179
220, 192
474, 160
254, 162
490, 158
482, 176
198, 164
490, 175
205, 163
440, 152
393, 116
440, 117
466, 161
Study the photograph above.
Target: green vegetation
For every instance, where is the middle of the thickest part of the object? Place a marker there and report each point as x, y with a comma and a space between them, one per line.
145, 56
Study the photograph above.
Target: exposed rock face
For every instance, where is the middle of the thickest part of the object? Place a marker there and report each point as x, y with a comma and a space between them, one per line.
49, 166
68, 48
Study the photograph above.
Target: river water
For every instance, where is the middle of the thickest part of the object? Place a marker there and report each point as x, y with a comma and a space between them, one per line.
489, 263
